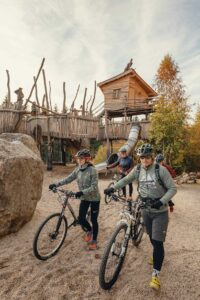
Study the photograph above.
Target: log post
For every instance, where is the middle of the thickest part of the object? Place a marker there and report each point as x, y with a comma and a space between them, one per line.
95, 87
107, 134
8, 85
49, 149
50, 95
36, 91
45, 88
64, 99
83, 106
73, 102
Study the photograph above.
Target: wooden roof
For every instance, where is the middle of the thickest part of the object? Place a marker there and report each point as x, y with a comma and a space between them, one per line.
131, 73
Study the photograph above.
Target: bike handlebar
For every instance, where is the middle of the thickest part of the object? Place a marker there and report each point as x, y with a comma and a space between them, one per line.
66, 192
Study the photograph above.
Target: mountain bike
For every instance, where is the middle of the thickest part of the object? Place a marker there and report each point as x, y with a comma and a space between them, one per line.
52, 232
115, 179
131, 226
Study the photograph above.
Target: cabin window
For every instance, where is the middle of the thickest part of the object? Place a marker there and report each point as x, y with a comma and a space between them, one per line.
116, 93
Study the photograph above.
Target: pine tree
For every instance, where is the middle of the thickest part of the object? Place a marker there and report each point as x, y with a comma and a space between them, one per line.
170, 117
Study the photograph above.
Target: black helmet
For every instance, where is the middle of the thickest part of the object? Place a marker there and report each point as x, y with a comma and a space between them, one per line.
85, 153
145, 150
160, 157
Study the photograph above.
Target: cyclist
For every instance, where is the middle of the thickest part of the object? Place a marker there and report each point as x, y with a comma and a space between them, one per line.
87, 180
156, 214
125, 165
160, 160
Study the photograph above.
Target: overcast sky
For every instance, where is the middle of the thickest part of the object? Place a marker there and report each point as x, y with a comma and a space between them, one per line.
84, 40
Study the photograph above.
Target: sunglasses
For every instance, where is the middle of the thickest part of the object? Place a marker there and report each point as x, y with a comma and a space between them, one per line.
143, 157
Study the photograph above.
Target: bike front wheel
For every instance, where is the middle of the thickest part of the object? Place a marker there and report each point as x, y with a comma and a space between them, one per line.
113, 257
50, 236
138, 230
109, 198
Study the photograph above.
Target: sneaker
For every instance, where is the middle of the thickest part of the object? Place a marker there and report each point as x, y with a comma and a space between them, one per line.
150, 262
155, 283
88, 237
92, 245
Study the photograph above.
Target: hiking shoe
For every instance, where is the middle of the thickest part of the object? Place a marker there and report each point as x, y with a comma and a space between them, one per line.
88, 237
92, 245
150, 262
155, 283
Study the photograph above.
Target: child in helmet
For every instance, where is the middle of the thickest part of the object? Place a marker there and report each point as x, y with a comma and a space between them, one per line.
87, 179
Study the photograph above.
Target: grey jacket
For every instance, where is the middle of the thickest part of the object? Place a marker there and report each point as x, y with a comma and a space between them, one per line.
87, 180
149, 185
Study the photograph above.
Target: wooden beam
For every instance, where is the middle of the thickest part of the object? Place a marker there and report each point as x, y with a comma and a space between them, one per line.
95, 87
73, 103
64, 99
83, 106
88, 103
50, 95
45, 88
8, 86
36, 91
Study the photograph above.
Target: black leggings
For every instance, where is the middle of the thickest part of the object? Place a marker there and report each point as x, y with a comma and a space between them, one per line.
130, 187
84, 205
158, 254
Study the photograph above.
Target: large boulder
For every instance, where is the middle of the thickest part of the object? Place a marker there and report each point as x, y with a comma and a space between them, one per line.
21, 178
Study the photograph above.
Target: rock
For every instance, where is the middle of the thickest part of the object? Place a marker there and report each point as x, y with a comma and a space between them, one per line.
21, 178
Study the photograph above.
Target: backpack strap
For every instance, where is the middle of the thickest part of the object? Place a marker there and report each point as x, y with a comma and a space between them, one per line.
157, 172
138, 169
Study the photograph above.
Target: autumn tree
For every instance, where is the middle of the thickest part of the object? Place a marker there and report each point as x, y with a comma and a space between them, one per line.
192, 156
170, 117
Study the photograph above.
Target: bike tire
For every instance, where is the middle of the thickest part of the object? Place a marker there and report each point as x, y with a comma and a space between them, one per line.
138, 230
106, 285
108, 198
36, 250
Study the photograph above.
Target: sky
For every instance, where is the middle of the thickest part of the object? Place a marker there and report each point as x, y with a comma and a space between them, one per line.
87, 40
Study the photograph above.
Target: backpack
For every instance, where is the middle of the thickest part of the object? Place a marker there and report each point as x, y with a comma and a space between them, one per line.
157, 172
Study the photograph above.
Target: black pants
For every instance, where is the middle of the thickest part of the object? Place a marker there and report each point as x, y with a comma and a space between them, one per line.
130, 187
84, 206
158, 254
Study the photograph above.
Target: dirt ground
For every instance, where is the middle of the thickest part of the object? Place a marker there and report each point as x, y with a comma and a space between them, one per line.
73, 273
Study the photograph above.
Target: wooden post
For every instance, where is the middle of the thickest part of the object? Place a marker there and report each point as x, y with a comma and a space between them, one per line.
73, 102
64, 99
106, 134
29, 97
95, 87
49, 151
50, 95
36, 91
88, 103
45, 88
8, 85
83, 106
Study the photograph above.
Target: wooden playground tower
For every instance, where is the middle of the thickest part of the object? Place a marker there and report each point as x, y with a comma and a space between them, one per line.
125, 96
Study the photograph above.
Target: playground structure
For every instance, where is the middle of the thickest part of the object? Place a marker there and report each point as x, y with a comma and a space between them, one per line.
126, 96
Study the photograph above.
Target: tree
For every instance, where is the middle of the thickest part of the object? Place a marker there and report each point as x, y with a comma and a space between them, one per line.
192, 156
169, 120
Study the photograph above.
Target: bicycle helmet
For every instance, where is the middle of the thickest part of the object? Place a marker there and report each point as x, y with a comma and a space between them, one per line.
123, 149
145, 150
159, 158
83, 153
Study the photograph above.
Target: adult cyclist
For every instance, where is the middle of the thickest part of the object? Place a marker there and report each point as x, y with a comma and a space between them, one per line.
156, 214
87, 179
125, 165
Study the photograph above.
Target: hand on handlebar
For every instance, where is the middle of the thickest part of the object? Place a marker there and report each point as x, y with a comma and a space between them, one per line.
157, 204
109, 191
78, 194
52, 187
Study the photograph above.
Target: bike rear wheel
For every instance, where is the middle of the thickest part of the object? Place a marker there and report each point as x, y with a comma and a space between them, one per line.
50, 236
113, 257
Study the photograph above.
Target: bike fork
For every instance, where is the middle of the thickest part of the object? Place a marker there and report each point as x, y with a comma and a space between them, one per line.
126, 240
